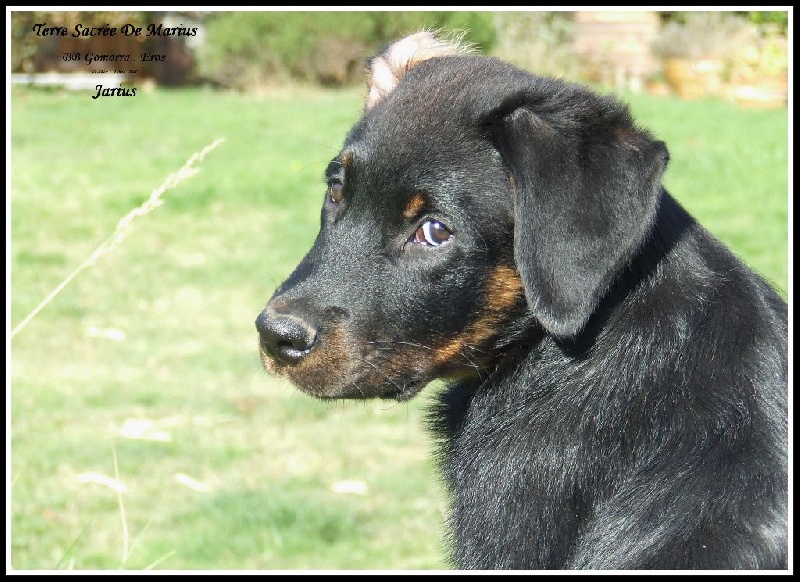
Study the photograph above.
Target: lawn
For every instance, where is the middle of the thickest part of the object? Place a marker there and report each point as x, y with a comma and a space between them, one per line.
143, 432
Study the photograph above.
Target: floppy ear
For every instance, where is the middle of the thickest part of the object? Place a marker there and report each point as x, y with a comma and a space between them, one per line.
586, 184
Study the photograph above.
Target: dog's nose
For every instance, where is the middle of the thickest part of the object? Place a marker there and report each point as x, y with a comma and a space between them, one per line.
285, 337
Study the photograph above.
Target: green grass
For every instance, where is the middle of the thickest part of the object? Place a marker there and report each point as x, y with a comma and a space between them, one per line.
729, 167
184, 288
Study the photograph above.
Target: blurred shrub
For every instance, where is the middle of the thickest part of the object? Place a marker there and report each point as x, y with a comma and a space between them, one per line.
248, 49
779, 19
540, 42
700, 35
757, 17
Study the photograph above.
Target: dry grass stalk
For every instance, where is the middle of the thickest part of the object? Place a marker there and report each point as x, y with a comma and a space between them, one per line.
123, 226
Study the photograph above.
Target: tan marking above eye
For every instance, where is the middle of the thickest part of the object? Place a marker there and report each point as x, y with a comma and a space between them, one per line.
415, 204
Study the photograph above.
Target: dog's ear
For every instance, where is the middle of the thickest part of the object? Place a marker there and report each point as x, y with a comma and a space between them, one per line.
384, 71
586, 183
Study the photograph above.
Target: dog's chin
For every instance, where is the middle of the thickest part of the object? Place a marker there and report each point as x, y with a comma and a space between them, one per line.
327, 388
360, 392
345, 382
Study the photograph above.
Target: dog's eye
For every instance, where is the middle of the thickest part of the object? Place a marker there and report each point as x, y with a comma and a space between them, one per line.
335, 189
432, 233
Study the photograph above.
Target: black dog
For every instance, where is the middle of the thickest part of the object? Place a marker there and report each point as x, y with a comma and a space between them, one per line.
617, 379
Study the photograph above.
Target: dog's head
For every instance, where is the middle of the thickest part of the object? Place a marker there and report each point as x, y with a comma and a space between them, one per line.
472, 209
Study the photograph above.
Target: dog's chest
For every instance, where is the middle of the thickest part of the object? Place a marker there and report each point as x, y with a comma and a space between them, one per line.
517, 491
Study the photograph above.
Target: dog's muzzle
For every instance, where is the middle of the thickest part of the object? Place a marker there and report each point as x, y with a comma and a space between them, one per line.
285, 337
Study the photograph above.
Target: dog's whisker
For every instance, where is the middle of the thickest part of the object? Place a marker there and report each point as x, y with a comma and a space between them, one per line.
478, 367
379, 371
402, 342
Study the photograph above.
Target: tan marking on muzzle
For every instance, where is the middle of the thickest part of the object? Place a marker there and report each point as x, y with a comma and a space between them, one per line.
322, 370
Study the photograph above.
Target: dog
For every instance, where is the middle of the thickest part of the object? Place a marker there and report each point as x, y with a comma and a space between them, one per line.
616, 380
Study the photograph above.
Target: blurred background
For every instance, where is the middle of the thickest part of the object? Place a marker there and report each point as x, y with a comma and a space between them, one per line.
740, 55
143, 432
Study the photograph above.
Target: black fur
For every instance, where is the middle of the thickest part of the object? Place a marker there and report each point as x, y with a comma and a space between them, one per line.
617, 378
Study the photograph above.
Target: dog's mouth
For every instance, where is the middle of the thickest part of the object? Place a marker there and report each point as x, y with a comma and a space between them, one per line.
334, 363
330, 372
